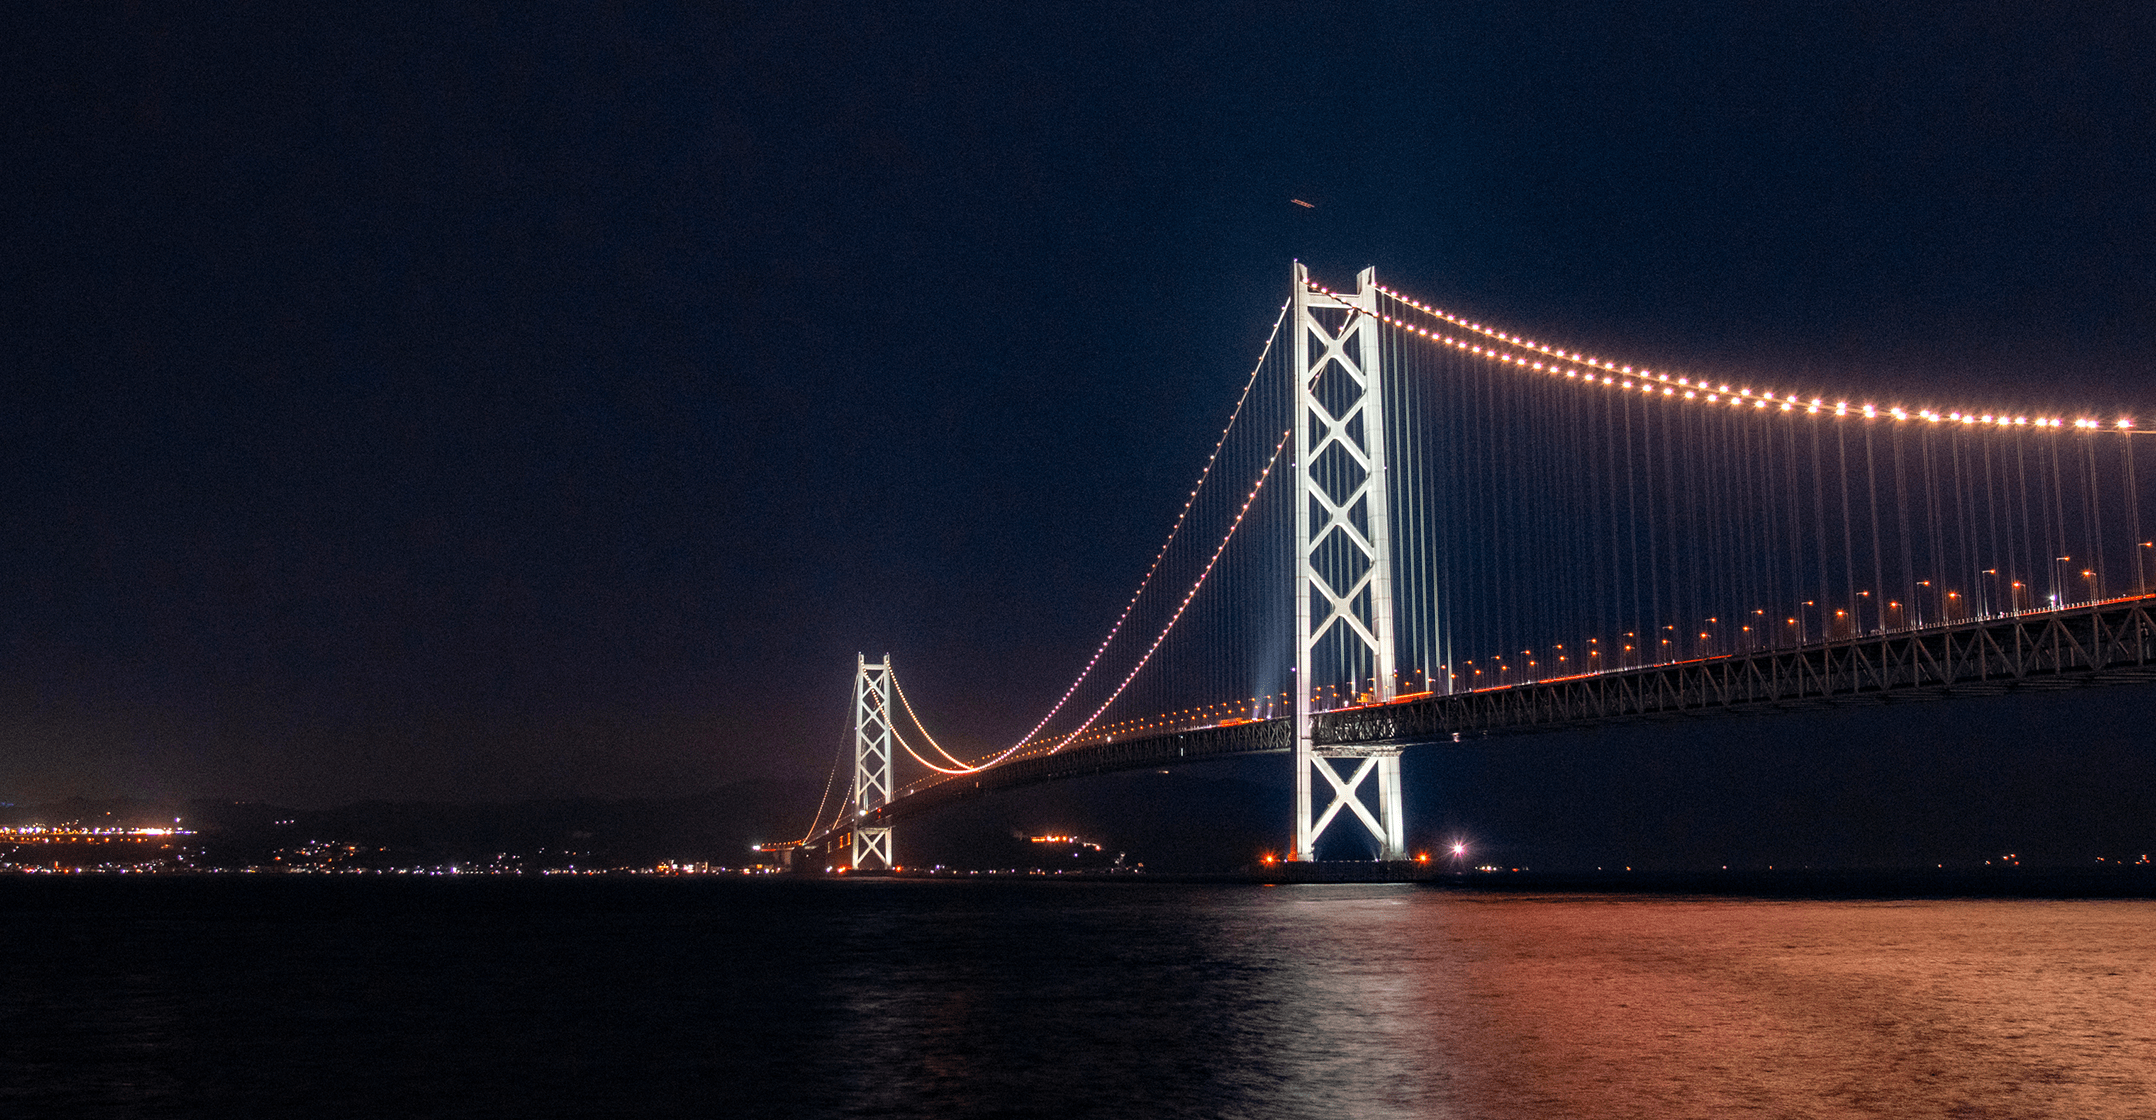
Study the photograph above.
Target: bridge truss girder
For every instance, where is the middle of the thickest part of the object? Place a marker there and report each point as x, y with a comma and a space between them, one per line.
2113, 643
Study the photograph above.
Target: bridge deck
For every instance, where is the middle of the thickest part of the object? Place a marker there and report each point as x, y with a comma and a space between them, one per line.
2111, 642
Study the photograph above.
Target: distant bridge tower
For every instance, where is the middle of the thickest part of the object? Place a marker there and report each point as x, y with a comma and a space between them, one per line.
871, 760
1343, 553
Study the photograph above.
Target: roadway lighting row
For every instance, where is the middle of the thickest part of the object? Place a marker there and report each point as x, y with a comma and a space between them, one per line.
1171, 719
1611, 372
1892, 605
1252, 702
2017, 586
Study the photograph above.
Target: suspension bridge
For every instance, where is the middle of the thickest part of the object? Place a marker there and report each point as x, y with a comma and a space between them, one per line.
1416, 528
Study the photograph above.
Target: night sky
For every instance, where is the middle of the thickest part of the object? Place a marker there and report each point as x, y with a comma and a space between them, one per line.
445, 402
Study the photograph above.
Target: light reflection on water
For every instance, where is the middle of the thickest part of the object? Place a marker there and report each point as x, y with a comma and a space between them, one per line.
1398, 1001
1109, 1000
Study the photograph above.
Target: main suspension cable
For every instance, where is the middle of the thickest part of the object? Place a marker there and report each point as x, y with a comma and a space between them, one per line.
830, 779
908, 704
1067, 739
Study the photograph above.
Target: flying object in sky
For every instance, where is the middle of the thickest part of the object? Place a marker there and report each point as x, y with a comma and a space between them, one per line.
1304, 205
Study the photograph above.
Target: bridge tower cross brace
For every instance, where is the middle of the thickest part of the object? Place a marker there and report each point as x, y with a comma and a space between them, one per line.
871, 760
1343, 552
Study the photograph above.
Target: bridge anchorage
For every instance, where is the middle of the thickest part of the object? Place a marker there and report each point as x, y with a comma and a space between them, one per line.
1481, 534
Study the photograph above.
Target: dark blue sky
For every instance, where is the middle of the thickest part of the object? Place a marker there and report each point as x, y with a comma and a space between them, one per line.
479, 403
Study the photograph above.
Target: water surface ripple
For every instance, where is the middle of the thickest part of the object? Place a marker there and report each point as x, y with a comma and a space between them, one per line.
1063, 1000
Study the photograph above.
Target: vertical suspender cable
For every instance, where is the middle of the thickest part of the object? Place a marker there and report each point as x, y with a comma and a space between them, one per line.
1762, 536
2021, 521
1610, 623
1631, 488
1901, 513
2002, 565
1651, 634
1849, 558
1796, 530
2058, 512
2096, 514
2133, 516
1819, 531
1871, 484
1930, 503
1960, 506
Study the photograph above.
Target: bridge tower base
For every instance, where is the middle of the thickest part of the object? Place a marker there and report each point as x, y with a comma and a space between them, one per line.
1343, 555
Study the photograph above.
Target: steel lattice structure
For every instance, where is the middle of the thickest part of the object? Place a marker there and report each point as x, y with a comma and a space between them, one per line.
871, 763
1343, 552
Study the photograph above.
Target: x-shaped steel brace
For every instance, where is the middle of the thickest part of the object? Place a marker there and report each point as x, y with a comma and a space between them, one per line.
1344, 794
1336, 347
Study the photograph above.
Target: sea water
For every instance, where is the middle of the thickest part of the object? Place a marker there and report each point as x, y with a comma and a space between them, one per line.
489, 997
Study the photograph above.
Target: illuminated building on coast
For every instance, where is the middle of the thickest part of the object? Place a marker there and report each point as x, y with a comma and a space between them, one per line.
76, 849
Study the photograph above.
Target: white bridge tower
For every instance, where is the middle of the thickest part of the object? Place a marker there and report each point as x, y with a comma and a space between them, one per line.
871, 760
1343, 554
